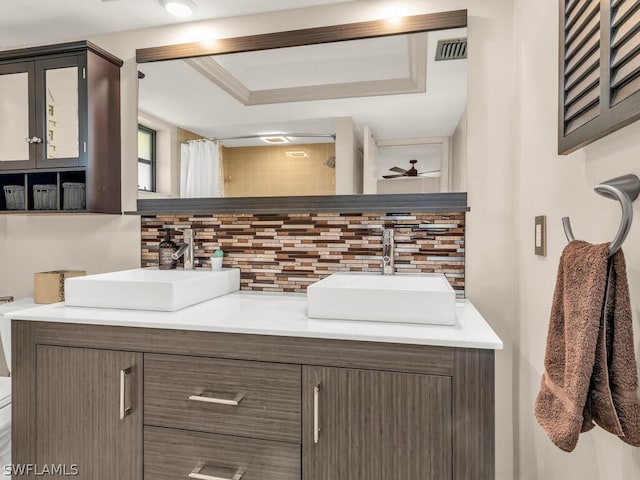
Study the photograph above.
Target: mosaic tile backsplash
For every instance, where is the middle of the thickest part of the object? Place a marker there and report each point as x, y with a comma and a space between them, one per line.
288, 252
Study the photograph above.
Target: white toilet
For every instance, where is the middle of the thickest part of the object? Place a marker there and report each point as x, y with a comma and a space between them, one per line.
5, 383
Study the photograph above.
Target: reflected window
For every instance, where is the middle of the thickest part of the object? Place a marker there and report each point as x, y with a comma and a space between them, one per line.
146, 159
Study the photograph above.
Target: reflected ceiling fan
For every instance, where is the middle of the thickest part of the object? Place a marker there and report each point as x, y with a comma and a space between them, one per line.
412, 172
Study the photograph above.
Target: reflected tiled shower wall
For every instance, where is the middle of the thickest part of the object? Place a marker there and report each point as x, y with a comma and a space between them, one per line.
288, 252
279, 170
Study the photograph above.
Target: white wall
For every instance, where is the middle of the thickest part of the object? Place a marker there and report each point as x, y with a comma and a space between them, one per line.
348, 163
409, 185
95, 243
489, 233
546, 184
459, 154
369, 162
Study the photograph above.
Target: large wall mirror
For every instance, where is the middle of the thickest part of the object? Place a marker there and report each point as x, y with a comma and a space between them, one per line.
367, 108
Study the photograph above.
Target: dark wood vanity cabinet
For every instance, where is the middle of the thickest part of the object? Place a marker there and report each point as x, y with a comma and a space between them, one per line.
372, 425
217, 405
60, 118
89, 414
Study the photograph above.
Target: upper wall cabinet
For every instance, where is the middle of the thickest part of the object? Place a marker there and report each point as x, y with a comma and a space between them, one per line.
39, 104
60, 123
599, 69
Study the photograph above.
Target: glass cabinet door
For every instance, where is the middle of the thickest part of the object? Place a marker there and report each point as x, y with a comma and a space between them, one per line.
17, 135
62, 113
60, 93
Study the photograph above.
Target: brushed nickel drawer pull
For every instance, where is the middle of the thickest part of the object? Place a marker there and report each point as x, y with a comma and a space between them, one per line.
195, 473
124, 411
221, 401
316, 413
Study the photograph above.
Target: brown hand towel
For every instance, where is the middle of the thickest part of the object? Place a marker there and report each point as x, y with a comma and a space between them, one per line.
613, 400
599, 408
589, 350
571, 342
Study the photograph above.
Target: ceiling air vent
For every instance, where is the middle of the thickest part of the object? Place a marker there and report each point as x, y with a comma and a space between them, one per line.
451, 49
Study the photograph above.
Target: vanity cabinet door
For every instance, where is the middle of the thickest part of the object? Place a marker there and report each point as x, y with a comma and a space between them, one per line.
369, 425
89, 412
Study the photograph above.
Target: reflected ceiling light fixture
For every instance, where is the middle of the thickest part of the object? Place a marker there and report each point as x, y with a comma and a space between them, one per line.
297, 154
275, 139
179, 8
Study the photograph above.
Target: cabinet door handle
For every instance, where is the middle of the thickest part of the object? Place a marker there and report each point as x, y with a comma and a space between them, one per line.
124, 411
316, 413
195, 473
221, 401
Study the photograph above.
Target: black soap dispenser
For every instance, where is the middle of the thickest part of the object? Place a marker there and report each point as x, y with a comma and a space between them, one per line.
167, 248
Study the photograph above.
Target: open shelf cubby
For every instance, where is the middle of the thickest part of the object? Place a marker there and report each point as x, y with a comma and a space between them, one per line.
40, 192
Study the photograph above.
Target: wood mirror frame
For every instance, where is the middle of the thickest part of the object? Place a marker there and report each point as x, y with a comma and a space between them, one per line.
294, 38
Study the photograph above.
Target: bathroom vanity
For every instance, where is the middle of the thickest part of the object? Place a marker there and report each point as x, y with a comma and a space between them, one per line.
245, 386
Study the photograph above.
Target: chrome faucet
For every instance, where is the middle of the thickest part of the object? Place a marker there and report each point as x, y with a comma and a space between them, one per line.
387, 252
186, 249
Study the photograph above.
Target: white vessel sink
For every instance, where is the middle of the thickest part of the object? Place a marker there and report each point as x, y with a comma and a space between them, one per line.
405, 298
150, 288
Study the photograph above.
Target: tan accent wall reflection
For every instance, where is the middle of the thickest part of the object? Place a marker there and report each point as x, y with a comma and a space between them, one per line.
268, 171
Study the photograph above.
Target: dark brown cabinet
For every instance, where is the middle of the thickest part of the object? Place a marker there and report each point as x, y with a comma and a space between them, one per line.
370, 425
43, 101
256, 407
60, 123
89, 412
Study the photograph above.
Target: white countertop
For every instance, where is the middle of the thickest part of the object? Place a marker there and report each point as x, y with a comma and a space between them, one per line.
17, 305
280, 315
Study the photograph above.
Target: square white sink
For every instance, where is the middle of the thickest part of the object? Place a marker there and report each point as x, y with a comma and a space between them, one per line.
404, 298
150, 288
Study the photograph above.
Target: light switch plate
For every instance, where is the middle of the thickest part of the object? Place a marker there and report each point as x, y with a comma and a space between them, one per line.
540, 239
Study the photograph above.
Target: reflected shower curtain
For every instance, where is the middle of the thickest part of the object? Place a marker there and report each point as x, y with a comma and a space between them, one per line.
200, 170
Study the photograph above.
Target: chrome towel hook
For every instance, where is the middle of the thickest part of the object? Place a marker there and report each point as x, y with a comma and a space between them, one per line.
625, 189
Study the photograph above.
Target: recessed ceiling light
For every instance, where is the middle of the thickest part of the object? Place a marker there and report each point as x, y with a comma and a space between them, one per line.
275, 139
179, 8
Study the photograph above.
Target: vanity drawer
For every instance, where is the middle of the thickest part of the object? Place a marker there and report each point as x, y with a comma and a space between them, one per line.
231, 397
171, 454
